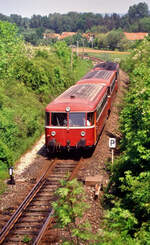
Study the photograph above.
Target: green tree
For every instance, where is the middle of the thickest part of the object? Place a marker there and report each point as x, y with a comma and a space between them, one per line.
100, 41
17, 19
144, 24
113, 39
138, 11
36, 21
63, 51
10, 43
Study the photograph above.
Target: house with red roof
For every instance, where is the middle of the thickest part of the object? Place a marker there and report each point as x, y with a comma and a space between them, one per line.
135, 36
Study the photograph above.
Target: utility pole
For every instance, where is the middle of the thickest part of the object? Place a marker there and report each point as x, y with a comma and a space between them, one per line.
83, 48
71, 56
92, 42
77, 48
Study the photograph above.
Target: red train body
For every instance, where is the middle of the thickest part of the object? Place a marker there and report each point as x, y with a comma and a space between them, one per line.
76, 118
104, 77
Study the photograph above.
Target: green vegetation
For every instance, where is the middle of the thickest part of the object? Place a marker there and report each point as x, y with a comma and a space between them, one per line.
137, 19
113, 40
29, 79
26, 239
115, 57
70, 211
127, 222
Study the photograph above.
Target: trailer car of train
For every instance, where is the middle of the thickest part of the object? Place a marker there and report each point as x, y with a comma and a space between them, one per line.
107, 78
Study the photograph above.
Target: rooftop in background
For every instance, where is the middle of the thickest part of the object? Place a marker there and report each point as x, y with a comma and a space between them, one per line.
63, 35
135, 36
67, 34
89, 36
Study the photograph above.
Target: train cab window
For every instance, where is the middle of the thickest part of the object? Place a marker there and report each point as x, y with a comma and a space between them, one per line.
47, 119
90, 118
77, 119
101, 106
108, 91
59, 119
116, 75
112, 85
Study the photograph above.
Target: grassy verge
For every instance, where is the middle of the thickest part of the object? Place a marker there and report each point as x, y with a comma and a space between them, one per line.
3, 175
109, 56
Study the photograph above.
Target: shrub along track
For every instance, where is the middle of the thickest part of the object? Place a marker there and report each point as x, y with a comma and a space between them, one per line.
91, 166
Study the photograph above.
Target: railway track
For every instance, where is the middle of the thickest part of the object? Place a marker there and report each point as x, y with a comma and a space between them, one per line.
34, 215
95, 60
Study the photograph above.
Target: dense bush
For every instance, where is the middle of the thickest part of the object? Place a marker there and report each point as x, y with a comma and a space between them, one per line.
130, 176
112, 40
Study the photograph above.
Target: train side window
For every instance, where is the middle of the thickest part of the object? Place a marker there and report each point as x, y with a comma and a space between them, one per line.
112, 85
116, 75
90, 118
102, 105
108, 91
47, 118
59, 119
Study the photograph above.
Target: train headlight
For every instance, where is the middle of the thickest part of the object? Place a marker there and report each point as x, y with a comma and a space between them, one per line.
83, 133
53, 133
67, 109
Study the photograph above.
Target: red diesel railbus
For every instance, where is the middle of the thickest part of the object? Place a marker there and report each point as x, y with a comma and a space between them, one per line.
109, 66
108, 78
76, 118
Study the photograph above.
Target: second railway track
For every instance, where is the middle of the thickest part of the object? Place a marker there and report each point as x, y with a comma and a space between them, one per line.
35, 213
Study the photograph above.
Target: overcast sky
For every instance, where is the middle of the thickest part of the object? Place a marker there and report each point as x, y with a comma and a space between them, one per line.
27, 8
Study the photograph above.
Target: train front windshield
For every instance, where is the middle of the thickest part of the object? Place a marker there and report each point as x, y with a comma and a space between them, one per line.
77, 119
59, 119
72, 119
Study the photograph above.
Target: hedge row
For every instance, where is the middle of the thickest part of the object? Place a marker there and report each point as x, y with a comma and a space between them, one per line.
128, 221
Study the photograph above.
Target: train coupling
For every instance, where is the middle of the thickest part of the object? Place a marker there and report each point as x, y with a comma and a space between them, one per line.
52, 146
68, 145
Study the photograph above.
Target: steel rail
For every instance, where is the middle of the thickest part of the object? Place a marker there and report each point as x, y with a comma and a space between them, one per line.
44, 228
50, 217
9, 225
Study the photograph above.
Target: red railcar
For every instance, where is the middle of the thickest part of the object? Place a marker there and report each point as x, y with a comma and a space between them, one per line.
76, 118
109, 78
109, 66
